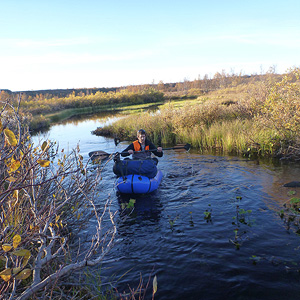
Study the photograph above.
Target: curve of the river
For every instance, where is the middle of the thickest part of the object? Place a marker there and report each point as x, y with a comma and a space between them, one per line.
211, 230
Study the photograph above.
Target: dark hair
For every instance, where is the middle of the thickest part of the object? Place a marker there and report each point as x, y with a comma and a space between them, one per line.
141, 131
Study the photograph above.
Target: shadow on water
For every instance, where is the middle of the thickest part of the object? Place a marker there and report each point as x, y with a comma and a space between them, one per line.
138, 209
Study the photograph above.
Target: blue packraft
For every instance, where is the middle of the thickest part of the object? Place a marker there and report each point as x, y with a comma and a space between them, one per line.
146, 167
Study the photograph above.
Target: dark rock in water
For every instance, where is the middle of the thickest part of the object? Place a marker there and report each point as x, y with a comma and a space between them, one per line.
292, 184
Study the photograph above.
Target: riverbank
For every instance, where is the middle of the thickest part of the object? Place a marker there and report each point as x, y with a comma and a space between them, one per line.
257, 119
43, 122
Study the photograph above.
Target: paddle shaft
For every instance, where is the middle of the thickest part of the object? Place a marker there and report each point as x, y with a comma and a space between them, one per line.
186, 147
102, 153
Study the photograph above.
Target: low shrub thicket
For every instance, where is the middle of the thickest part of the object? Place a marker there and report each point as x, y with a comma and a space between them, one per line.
46, 198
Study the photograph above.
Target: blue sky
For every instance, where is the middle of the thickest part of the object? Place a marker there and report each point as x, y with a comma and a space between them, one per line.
84, 44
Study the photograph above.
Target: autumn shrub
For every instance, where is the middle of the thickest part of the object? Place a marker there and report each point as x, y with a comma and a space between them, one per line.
276, 109
281, 109
46, 198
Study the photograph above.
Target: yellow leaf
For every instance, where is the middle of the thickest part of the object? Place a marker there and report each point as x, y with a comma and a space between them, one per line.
1, 127
43, 163
10, 137
22, 252
154, 284
14, 165
16, 194
24, 274
6, 247
25, 260
16, 241
25, 253
6, 274
16, 270
44, 145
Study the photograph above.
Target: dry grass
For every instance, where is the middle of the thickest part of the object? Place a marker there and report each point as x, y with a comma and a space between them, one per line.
256, 118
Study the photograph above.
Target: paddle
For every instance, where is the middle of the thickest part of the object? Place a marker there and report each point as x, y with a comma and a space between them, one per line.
102, 154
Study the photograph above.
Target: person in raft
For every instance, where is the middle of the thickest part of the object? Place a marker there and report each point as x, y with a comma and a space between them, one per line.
138, 149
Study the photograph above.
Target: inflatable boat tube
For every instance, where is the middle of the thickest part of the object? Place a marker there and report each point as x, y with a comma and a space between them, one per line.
137, 184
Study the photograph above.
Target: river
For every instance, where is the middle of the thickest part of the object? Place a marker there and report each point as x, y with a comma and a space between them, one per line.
211, 230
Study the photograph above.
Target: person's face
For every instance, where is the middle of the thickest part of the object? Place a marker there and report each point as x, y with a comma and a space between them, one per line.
141, 138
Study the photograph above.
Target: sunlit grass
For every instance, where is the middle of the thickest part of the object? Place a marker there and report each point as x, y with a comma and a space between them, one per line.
254, 119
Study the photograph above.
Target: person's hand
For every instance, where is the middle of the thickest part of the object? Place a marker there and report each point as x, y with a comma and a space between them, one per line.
130, 151
159, 149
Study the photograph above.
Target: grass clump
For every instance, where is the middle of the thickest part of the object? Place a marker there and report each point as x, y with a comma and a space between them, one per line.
261, 119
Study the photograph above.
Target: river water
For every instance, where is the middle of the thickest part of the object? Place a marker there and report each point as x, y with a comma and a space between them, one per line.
211, 230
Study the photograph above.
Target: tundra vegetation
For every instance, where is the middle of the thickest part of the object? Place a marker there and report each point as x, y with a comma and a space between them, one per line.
256, 118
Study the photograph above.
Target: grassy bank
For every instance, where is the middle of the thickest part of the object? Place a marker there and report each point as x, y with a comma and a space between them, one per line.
43, 105
42, 122
42, 113
260, 118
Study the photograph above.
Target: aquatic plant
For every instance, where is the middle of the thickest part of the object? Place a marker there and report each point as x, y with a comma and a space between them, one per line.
172, 221
207, 214
239, 221
290, 213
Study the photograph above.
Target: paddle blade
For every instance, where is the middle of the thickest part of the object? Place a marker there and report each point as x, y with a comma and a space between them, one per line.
182, 147
99, 155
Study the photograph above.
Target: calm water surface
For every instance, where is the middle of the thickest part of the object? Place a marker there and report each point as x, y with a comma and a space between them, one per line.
195, 257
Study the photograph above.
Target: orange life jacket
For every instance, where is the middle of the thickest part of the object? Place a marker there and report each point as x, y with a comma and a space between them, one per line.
137, 146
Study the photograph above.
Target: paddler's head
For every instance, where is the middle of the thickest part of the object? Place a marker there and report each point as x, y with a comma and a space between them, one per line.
141, 135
